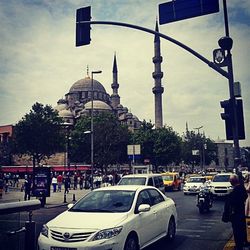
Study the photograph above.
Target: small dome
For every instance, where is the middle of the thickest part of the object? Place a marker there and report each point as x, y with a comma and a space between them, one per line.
66, 113
60, 107
97, 105
85, 85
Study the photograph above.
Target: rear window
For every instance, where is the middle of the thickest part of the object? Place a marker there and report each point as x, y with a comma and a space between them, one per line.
132, 181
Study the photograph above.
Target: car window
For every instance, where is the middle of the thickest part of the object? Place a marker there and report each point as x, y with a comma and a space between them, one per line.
221, 178
158, 181
167, 177
143, 198
150, 182
155, 197
105, 201
199, 180
132, 181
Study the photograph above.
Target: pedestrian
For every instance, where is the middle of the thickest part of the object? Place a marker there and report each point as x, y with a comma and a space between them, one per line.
81, 182
59, 182
54, 183
247, 205
27, 187
75, 181
234, 210
66, 184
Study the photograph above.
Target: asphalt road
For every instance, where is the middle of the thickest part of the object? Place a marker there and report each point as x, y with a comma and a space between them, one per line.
195, 231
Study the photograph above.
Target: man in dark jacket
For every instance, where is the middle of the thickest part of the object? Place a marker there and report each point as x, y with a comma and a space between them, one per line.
236, 199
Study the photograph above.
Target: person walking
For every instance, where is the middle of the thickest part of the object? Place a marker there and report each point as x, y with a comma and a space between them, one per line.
247, 205
54, 183
59, 182
66, 184
27, 188
235, 210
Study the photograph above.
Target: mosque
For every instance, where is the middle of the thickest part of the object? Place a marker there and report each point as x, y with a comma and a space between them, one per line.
78, 101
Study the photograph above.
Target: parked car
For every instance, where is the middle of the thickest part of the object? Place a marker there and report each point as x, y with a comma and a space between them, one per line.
220, 184
172, 181
154, 180
194, 184
115, 217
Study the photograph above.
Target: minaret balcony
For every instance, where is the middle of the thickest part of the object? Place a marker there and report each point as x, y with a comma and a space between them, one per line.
114, 85
157, 59
157, 75
158, 90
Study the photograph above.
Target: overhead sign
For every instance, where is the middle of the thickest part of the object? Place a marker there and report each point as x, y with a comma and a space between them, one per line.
134, 149
183, 9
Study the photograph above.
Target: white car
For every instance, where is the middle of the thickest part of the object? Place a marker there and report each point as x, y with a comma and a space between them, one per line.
117, 217
194, 184
220, 184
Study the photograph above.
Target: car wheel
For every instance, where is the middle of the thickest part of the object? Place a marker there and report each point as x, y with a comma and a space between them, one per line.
171, 230
131, 243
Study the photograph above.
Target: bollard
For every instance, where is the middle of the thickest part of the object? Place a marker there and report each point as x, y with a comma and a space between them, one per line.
64, 199
30, 235
74, 197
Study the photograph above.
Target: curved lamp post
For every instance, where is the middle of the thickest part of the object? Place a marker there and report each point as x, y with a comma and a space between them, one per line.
92, 126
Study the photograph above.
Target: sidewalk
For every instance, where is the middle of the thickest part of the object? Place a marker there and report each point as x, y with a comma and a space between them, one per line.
55, 199
231, 244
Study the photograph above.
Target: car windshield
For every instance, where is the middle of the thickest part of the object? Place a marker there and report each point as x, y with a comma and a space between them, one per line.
221, 178
199, 180
133, 181
108, 201
167, 177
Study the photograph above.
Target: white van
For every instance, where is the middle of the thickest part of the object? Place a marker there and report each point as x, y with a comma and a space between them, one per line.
154, 180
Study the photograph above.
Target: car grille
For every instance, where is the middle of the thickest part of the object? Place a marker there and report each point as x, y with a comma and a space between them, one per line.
220, 190
69, 237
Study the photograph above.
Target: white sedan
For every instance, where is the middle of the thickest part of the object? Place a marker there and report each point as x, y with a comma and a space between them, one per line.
116, 217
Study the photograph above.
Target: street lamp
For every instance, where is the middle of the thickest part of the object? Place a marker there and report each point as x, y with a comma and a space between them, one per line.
92, 126
200, 153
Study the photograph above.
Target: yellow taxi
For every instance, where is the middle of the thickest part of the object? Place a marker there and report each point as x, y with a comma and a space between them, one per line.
172, 181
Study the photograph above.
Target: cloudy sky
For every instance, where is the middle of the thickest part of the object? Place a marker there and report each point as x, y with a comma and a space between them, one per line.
39, 61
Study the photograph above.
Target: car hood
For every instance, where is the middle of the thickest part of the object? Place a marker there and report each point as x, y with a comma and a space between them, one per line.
80, 220
218, 184
193, 184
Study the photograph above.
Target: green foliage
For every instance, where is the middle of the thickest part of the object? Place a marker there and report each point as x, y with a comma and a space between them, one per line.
110, 140
38, 134
161, 146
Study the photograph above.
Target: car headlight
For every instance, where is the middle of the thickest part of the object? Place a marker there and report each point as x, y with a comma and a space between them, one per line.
45, 231
107, 233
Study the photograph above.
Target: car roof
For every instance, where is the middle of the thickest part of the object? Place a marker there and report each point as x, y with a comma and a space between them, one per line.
140, 175
125, 188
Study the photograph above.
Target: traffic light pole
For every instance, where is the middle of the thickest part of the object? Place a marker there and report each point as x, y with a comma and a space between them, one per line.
231, 89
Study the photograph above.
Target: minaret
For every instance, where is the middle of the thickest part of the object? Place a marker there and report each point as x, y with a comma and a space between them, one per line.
157, 75
115, 98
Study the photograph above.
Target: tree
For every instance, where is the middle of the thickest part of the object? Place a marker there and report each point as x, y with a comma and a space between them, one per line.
193, 141
38, 133
110, 140
161, 146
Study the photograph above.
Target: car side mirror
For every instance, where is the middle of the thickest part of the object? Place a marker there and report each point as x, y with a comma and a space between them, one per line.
143, 208
70, 205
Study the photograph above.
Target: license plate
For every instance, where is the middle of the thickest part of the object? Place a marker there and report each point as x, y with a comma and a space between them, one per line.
62, 248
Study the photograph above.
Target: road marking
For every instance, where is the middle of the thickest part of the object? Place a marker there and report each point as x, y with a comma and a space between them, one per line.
205, 226
192, 235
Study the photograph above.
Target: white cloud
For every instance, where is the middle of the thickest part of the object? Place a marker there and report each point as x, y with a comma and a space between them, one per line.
39, 61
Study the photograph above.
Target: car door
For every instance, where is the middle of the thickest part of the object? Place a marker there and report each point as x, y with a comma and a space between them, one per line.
145, 222
160, 211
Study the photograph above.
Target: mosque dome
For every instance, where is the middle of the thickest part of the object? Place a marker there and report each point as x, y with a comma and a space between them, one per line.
97, 105
59, 107
66, 113
85, 85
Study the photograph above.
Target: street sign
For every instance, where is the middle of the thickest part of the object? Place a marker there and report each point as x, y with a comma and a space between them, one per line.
183, 9
134, 149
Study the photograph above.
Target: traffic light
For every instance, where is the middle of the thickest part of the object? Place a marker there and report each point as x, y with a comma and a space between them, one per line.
229, 120
83, 29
